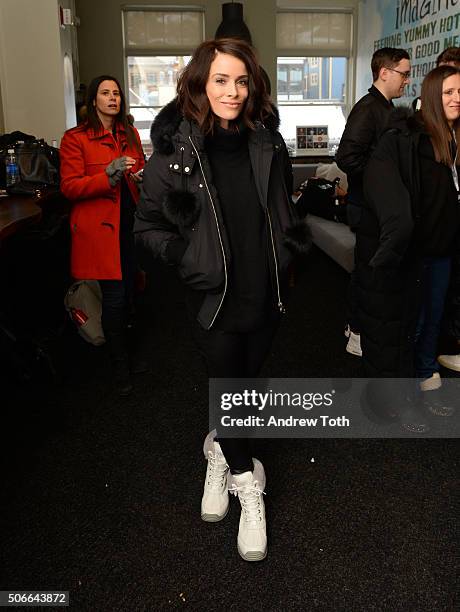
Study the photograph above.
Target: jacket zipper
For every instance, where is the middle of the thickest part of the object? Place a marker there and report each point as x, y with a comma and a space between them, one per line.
218, 233
281, 307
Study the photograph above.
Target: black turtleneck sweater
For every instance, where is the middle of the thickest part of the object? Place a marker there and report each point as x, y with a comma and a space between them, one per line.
248, 304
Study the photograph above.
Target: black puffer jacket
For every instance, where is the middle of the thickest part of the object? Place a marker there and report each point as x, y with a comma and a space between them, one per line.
388, 256
179, 200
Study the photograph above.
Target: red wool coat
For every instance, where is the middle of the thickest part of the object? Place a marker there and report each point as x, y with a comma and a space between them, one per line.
95, 212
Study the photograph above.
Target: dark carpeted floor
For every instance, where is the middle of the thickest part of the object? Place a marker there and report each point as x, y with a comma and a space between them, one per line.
101, 495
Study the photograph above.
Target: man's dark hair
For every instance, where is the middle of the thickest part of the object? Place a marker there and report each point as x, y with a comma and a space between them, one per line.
387, 57
451, 54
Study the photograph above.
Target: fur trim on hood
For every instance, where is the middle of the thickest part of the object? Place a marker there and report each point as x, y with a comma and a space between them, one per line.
164, 126
403, 118
167, 122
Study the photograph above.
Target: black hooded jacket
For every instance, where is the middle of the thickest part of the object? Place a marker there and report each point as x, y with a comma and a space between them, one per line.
179, 211
391, 248
365, 125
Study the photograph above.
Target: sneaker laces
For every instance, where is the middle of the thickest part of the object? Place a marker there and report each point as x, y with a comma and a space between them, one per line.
217, 471
249, 496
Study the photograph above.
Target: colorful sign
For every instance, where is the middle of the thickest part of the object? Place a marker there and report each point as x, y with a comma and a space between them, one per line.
423, 27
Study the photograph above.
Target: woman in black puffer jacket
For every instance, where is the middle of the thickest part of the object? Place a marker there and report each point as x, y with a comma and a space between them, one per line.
411, 225
216, 205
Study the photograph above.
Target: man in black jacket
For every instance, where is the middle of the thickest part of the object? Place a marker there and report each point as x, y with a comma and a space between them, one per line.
366, 123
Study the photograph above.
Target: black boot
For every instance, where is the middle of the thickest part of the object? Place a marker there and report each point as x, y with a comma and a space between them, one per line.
120, 362
136, 365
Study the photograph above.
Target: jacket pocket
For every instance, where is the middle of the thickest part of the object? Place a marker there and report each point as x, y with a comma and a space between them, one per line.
92, 168
202, 266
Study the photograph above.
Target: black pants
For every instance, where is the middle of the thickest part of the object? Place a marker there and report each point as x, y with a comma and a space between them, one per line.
235, 355
117, 295
353, 308
116, 304
354, 213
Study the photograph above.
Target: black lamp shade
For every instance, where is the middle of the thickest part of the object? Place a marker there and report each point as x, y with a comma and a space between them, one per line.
232, 25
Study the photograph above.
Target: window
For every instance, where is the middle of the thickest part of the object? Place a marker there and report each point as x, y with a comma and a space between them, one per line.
312, 89
290, 75
157, 46
152, 85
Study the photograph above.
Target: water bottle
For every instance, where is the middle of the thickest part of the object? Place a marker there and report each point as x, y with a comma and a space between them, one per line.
12, 169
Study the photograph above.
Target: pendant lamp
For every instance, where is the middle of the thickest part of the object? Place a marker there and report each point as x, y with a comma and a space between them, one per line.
233, 25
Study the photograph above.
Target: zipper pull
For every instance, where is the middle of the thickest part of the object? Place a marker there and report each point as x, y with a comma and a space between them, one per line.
281, 308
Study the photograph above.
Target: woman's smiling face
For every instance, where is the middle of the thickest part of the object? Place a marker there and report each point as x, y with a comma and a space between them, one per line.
451, 98
227, 87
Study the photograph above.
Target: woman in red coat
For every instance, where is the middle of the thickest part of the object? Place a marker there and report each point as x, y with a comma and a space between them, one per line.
100, 171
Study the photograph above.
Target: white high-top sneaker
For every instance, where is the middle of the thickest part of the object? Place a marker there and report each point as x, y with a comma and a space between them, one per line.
214, 503
252, 533
432, 383
354, 344
450, 361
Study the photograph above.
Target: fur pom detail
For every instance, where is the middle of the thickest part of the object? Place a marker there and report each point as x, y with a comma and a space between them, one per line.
181, 208
298, 238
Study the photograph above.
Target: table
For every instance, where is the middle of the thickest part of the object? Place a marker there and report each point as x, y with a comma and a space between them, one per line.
33, 280
17, 212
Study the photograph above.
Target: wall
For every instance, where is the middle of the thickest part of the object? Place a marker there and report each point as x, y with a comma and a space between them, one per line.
32, 46
424, 29
2, 122
100, 36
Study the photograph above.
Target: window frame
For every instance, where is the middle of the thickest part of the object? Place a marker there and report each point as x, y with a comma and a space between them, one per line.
148, 8
156, 51
317, 53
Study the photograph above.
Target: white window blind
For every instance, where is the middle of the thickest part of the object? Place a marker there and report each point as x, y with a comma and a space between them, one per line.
154, 30
315, 33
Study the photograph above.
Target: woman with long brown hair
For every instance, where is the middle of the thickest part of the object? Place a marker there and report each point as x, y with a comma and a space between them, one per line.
216, 205
100, 164
412, 224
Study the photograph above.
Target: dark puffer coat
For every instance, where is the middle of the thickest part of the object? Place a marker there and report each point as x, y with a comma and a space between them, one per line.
388, 262
179, 200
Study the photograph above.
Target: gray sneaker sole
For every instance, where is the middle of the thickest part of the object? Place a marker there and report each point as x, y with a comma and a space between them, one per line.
214, 518
253, 555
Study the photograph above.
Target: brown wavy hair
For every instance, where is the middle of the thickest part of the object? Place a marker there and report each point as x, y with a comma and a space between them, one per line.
92, 119
191, 85
433, 116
